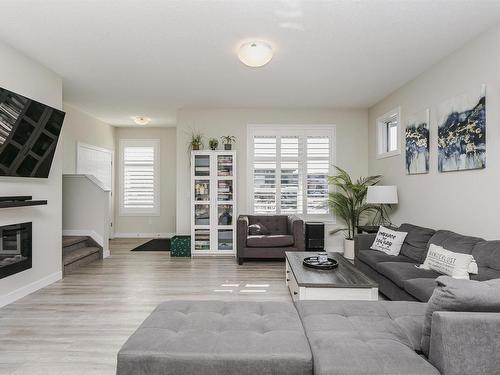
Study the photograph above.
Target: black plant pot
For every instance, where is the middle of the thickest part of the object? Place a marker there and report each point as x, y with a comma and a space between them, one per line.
228, 146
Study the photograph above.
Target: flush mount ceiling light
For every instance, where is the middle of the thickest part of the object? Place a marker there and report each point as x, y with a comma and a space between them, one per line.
141, 120
255, 53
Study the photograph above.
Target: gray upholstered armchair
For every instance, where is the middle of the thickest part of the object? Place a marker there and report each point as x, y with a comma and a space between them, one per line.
282, 233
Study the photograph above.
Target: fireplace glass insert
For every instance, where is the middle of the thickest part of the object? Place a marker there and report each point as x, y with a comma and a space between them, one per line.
15, 248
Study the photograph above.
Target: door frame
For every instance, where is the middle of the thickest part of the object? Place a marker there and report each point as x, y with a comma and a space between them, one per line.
111, 202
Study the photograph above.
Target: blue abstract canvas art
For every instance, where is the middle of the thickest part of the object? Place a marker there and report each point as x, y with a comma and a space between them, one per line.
462, 133
417, 143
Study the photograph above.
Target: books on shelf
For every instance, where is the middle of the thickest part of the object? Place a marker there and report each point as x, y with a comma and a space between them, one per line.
225, 190
202, 239
225, 165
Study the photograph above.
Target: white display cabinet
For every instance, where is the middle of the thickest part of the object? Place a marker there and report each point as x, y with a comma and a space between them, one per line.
213, 203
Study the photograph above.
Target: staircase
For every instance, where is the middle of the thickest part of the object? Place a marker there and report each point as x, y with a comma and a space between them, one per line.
78, 251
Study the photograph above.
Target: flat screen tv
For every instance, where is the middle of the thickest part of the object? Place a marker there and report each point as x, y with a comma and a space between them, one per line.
29, 131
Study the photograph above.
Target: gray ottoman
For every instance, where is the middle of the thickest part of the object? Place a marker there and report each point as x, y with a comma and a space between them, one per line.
219, 338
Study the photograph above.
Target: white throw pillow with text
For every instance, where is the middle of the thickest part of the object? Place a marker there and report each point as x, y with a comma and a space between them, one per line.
456, 265
389, 241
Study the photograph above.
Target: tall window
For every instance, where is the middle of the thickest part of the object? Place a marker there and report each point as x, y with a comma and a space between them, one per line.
139, 177
289, 167
388, 132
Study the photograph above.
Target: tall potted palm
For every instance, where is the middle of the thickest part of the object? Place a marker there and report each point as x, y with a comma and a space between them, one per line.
348, 202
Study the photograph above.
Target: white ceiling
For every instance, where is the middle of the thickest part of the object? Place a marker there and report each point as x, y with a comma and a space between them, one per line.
121, 58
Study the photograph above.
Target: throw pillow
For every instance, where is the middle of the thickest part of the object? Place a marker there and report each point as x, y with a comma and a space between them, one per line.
389, 241
447, 262
460, 295
257, 229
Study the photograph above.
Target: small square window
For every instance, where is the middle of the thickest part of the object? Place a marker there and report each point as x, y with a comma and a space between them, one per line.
388, 134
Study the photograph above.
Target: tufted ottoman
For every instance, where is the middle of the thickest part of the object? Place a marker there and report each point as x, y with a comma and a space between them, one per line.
218, 338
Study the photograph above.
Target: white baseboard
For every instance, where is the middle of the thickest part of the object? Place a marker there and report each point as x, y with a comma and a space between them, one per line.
144, 235
30, 288
91, 233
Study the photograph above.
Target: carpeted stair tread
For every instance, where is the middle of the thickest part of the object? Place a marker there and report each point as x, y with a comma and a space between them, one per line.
75, 255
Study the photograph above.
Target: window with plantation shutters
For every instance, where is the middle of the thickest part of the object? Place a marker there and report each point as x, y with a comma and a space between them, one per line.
139, 177
289, 168
318, 169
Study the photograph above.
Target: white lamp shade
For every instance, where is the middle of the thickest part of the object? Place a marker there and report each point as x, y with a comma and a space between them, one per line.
255, 54
382, 194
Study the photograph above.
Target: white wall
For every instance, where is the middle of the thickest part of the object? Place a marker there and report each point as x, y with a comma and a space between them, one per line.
466, 201
26, 77
351, 144
81, 127
86, 209
151, 226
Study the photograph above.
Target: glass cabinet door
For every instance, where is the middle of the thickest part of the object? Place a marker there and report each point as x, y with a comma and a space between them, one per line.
202, 190
201, 214
202, 239
224, 165
202, 165
225, 214
225, 239
225, 190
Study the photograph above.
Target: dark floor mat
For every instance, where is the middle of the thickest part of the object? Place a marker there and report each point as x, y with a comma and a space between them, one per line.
158, 244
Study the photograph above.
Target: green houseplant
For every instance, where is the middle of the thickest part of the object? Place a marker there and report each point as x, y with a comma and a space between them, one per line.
213, 143
196, 142
348, 202
228, 141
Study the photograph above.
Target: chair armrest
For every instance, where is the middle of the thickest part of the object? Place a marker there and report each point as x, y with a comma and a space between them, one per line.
363, 242
296, 229
241, 235
465, 343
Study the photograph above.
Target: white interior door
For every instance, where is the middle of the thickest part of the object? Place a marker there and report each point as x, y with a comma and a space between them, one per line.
98, 162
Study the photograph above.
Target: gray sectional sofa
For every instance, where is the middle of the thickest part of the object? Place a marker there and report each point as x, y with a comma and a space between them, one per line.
456, 333
310, 338
398, 277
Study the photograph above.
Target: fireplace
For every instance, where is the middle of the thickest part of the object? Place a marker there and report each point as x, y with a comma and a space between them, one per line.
15, 248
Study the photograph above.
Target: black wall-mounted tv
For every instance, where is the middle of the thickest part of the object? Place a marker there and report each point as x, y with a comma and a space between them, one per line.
29, 131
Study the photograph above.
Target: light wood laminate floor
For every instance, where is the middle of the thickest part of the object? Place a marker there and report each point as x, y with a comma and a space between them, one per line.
77, 325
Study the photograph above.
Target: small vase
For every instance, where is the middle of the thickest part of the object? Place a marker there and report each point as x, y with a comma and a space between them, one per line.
227, 146
349, 249
195, 147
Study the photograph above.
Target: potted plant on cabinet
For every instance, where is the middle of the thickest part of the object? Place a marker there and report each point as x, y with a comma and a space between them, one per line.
228, 141
213, 143
196, 142
348, 202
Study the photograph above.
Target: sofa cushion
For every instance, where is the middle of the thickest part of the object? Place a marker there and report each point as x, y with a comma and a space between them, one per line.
275, 224
257, 229
372, 257
398, 272
415, 245
278, 240
485, 273
454, 242
365, 337
421, 289
460, 295
214, 337
487, 254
